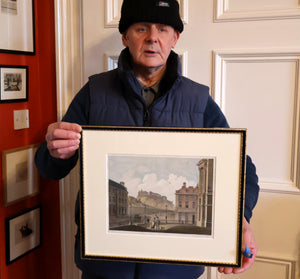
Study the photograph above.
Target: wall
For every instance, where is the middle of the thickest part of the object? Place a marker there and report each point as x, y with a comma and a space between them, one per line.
44, 262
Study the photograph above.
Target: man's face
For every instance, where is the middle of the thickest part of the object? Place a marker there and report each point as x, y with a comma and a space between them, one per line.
150, 43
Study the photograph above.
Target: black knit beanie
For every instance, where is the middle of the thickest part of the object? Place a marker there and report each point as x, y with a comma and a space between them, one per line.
155, 11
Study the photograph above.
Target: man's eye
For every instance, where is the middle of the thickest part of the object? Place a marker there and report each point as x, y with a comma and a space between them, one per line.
141, 29
163, 28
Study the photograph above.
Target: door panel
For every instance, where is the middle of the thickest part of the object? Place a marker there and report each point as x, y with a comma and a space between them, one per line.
265, 87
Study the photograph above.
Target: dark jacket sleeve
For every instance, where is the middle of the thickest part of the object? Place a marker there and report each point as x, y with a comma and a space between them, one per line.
214, 118
252, 189
53, 168
50, 167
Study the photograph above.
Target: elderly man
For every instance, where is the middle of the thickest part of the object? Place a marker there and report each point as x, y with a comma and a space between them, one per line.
147, 89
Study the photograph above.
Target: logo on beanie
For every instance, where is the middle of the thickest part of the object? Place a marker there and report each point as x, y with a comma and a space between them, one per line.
163, 4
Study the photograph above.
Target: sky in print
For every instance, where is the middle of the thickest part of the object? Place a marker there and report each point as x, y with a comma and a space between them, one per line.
163, 175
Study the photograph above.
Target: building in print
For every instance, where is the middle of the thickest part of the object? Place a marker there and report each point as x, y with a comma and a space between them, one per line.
194, 203
186, 204
154, 200
205, 192
118, 203
149, 205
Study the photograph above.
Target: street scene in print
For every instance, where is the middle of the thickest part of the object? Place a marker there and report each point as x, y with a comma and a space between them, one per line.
161, 194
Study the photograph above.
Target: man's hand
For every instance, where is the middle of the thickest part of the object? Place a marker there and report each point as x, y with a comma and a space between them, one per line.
248, 240
63, 139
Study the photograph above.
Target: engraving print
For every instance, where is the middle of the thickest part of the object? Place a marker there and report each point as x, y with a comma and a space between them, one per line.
161, 194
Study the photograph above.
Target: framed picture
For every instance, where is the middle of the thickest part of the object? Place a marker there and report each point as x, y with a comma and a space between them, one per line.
14, 84
22, 234
17, 27
156, 194
20, 176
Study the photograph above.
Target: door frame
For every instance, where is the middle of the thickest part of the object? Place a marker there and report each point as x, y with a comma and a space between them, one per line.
69, 79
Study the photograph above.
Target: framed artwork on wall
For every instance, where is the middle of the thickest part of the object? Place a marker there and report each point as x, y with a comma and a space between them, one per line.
17, 30
13, 84
22, 234
20, 176
185, 189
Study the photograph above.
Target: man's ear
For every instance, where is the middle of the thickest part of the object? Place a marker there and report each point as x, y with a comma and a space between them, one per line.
124, 39
176, 38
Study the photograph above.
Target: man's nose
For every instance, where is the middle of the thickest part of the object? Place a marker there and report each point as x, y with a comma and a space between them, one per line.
152, 34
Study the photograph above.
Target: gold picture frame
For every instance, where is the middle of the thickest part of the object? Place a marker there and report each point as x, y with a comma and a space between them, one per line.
19, 173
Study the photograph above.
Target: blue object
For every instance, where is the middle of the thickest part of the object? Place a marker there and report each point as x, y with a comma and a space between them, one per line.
247, 253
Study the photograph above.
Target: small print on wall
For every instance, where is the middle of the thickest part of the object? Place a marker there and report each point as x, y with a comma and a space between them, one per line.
17, 27
9, 6
20, 176
22, 233
14, 84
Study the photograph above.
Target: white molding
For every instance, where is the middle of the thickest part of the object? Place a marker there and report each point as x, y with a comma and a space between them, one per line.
283, 187
110, 61
221, 59
112, 12
184, 11
68, 28
211, 273
223, 13
288, 264
183, 55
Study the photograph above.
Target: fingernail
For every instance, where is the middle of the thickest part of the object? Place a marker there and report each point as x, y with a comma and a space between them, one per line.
77, 136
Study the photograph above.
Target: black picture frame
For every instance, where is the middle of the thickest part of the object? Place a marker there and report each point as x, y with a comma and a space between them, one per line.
13, 83
17, 27
106, 185
22, 234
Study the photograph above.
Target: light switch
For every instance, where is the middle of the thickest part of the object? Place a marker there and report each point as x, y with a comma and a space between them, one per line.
21, 119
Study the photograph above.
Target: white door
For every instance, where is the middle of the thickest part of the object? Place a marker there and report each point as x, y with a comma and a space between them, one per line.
248, 52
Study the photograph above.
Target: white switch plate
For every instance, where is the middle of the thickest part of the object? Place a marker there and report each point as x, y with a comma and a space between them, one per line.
21, 119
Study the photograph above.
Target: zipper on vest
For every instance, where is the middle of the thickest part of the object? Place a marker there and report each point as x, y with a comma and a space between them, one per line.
146, 118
